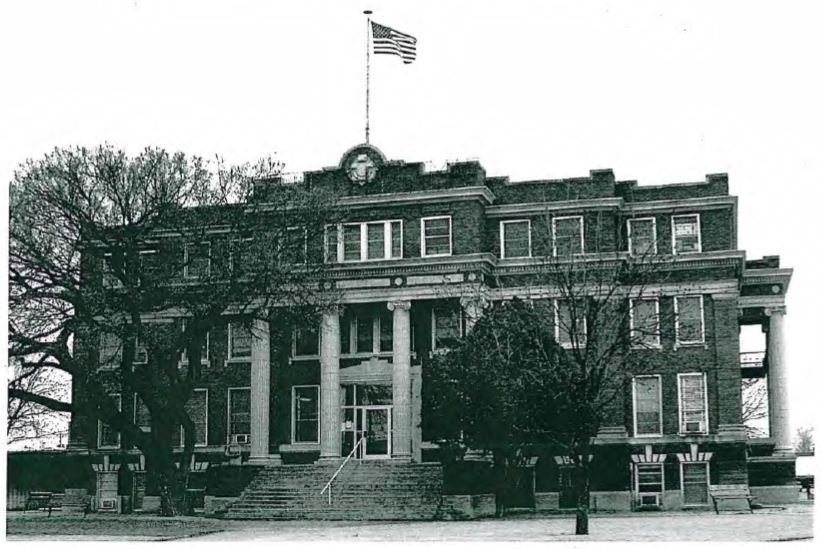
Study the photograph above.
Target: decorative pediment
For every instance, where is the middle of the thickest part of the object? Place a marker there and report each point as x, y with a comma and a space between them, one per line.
695, 455
648, 456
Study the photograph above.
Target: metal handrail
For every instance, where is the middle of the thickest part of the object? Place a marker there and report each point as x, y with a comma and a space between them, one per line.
340, 468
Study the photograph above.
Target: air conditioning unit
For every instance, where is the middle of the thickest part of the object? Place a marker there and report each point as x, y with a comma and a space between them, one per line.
108, 505
694, 427
648, 500
239, 439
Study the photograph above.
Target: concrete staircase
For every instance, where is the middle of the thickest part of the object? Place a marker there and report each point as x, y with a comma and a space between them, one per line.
364, 490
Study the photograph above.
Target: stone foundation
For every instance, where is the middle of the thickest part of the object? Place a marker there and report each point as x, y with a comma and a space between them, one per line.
462, 507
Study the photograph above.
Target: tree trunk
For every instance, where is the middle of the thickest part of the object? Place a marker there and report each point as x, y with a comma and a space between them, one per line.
500, 484
583, 495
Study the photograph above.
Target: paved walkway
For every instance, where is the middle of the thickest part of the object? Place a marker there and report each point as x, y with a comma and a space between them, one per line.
795, 523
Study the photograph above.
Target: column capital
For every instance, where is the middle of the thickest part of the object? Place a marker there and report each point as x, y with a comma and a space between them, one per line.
773, 311
401, 305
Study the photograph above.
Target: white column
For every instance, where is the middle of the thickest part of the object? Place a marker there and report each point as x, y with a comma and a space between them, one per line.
260, 394
778, 381
330, 438
401, 381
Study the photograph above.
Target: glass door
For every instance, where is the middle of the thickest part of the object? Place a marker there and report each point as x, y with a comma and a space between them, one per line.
377, 432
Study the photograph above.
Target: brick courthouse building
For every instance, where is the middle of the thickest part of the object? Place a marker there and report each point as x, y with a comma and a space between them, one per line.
275, 418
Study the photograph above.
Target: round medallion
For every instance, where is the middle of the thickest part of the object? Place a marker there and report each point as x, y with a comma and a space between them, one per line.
776, 288
362, 163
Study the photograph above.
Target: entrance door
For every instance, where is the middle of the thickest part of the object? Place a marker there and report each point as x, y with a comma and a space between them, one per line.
378, 432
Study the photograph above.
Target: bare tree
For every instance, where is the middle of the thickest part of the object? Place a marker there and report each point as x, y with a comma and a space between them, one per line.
804, 440
106, 248
29, 424
755, 406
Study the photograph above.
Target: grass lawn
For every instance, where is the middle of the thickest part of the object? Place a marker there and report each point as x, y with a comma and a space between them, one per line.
37, 524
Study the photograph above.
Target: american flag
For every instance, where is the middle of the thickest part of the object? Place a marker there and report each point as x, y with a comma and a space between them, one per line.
391, 42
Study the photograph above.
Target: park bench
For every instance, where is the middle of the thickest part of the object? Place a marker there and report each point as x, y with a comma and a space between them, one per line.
721, 492
39, 500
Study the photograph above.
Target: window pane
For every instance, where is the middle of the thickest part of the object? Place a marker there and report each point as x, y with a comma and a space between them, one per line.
396, 239
437, 236
198, 412
240, 344
516, 239
446, 326
306, 414
686, 234
331, 243
570, 322
351, 242
649, 478
376, 240
695, 483
239, 412
110, 350
692, 402
307, 340
644, 322
386, 332
646, 396
689, 319
365, 334
567, 236
643, 237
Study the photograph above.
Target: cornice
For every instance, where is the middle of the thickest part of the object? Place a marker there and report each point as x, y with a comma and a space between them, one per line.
439, 196
703, 203
768, 276
525, 208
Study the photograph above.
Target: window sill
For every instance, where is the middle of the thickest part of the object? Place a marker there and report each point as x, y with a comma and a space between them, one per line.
238, 360
303, 358
694, 434
205, 363
649, 347
437, 255
654, 435
300, 447
690, 345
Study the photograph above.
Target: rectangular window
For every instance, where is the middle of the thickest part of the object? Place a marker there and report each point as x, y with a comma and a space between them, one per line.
365, 333
239, 341
642, 236
294, 248
695, 483
110, 279
644, 319
149, 266
693, 404
373, 240
686, 234
107, 437
306, 340
447, 326
568, 236
305, 413
140, 350
142, 416
239, 415
649, 478
570, 325
515, 238
647, 405
238, 256
111, 351
203, 347
690, 319
436, 236
197, 261
386, 321
197, 409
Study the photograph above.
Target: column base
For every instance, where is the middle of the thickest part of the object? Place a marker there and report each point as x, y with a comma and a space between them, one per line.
785, 451
330, 460
401, 458
270, 459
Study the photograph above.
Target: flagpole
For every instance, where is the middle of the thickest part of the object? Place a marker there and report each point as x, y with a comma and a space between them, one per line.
367, 76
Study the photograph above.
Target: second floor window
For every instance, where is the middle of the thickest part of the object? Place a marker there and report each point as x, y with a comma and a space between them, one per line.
446, 326
436, 236
647, 405
685, 234
644, 318
373, 240
693, 404
570, 326
197, 409
568, 236
197, 260
515, 238
690, 325
642, 236
239, 341
111, 349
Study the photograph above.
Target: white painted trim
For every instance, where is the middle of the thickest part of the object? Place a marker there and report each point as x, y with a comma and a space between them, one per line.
698, 233
637, 466
294, 415
630, 230
182, 431
363, 226
701, 340
100, 446
633, 403
185, 259
658, 343
438, 196
705, 403
581, 232
502, 225
682, 482
423, 251
228, 432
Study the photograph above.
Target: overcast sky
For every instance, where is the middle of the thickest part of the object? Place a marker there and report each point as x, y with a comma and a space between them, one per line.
660, 92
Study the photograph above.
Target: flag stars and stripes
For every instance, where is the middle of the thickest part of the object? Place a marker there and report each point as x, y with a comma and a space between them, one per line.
391, 42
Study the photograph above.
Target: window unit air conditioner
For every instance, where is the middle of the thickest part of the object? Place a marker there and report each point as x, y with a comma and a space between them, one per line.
239, 439
648, 500
108, 504
694, 427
